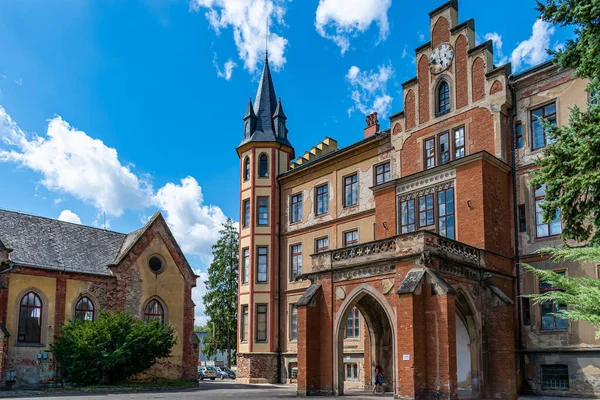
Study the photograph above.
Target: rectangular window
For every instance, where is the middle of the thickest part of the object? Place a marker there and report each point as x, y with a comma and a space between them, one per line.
555, 377
444, 148
407, 216
294, 323
322, 200
246, 212
542, 229
351, 190
430, 153
350, 238
297, 207
261, 322
541, 137
321, 244
382, 173
351, 371
426, 210
352, 324
296, 256
244, 327
526, 311
519, 134
262, 215
522, 218
551, 322
459, 142
245, 265
446, 213
262, 264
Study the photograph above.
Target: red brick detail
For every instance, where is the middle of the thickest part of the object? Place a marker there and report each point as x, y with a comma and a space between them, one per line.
257, 368
497, 191
478, 79
367, 367
480, 127
496, 87
460, 72
441, 32
423, 76
397, 129
385, 213
409, 110
59, 304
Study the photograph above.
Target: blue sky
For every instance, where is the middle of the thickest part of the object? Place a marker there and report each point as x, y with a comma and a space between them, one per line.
120, 109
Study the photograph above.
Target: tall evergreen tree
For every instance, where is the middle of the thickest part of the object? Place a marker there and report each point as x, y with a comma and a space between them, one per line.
220, 300
570, 167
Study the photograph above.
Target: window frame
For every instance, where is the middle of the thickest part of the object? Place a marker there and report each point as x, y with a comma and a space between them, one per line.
85, 311
258, 257
542, 106
352, 185
447, 215
519, 135
245, 275
149, 317
247, 170
551, 366
36, 340
298, 271
298, 205
452, 147
258, 210
353, 324
322, 198
264, 157
246, 211
522, 218
426, 210
401, 215
382, 174
244, 323
353, 242
542, 288
293, 322
443, 83
321, 249
256, 323
537, 199
350, 368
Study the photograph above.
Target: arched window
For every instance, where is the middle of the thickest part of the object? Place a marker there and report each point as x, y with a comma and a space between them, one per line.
263, 166
247, 168
154, 311
30, 319
443, 97
84, 309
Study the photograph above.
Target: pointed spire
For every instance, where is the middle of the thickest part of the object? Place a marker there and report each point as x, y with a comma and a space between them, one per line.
279, 121
250, 110
279, 110
265, 102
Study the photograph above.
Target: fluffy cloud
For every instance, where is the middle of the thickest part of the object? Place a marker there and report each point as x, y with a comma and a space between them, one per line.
227, 68
369, 90
496, 39
533, 50
72, 162
197, 293
339, 20
195, 225
248, 19
69, 216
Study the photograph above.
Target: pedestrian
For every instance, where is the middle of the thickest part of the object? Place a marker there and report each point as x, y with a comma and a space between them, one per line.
379, 378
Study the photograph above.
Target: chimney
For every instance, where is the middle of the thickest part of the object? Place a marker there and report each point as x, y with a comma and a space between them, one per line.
372, 125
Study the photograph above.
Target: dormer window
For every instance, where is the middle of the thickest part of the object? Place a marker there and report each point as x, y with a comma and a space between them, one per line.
443, 98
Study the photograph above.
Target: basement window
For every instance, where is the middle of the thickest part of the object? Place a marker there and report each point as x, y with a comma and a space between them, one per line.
555, 377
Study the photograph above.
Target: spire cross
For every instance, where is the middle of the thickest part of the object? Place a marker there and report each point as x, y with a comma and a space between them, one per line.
267, 39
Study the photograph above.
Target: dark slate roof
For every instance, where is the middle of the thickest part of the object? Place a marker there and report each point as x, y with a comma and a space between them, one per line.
51, 244
265, 106
414, 277
309, 294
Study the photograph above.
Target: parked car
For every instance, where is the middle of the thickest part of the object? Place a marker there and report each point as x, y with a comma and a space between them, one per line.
207, 373
224, 372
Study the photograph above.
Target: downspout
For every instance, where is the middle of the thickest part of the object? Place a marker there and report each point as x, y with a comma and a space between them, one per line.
515, 215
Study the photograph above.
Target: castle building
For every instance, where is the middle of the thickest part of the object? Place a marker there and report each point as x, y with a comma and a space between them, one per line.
403, 249
53, 271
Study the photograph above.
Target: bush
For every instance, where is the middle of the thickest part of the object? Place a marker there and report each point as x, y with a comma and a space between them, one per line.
110, 349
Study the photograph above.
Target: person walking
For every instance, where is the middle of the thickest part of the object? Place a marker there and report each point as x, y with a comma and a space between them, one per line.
379, 378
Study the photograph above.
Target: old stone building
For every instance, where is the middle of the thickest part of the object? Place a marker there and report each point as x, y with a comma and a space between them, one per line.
410, 238
52, 271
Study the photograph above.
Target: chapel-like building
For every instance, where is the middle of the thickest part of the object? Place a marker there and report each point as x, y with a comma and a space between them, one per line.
403, 248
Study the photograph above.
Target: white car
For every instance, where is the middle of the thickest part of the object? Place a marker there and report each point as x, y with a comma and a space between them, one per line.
207, 373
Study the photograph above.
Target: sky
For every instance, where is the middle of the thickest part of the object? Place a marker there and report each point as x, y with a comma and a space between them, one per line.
113, 110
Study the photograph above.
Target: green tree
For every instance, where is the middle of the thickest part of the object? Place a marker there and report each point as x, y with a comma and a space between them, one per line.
111, 348
220, 300
570, 167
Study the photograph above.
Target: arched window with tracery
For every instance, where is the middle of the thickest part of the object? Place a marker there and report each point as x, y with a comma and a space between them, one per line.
443, 98
247, 168
84, 309
154, 311
263, 166
30, 319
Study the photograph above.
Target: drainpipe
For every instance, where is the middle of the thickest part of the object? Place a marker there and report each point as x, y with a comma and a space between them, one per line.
515, 212
10, 267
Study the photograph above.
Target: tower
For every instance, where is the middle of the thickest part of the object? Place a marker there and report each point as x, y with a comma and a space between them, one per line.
264, 153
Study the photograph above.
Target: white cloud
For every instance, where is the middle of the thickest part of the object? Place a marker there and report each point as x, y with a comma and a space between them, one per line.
227, 68
421, 36
248, 18
197, 293
69, 216
19, 81
496, 39
72, 162
340, 20
369, 90
533, 50
58, 201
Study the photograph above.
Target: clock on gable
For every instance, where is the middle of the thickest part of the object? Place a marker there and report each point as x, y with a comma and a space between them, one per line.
441, 58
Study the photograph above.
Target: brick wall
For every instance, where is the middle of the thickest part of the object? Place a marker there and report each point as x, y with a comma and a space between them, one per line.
409, 110
441, 32
460, 72
478, 79
423, 75
385, 213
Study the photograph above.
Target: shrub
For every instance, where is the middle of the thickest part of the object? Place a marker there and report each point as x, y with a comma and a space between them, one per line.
111, 348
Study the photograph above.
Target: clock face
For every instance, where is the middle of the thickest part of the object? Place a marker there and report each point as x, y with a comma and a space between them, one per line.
441, 58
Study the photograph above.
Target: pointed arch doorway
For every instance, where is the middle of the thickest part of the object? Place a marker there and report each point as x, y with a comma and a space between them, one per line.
380, 320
